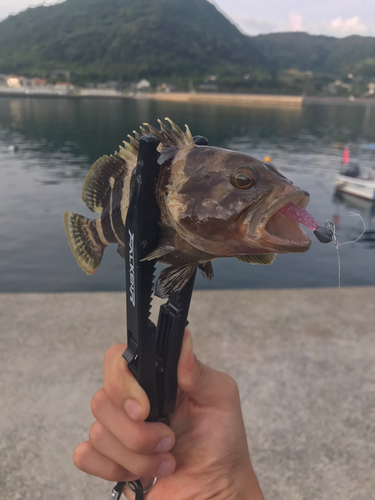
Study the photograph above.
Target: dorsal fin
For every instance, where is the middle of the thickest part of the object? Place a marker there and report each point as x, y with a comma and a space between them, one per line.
171, 137
264, 258
98, 180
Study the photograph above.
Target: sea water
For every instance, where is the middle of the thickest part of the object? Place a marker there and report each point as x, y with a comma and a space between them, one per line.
48, 145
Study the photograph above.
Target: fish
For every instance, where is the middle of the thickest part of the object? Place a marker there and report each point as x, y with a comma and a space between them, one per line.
214, 203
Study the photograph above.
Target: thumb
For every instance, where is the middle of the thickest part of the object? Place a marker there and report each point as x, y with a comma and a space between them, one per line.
204, 384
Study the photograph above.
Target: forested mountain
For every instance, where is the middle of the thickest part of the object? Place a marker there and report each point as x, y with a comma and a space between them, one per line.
178, 41
126, 39
324, 54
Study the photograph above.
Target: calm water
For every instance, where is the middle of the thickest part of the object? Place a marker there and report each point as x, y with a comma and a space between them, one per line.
58, 140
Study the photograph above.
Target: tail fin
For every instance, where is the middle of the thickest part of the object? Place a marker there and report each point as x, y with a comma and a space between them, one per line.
84, 241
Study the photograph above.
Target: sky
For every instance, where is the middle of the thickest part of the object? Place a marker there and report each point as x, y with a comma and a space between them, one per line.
318, 17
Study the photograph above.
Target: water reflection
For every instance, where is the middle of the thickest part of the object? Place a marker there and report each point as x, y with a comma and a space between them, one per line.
59, 139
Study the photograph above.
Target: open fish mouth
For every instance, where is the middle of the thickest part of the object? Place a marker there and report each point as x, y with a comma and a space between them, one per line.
278, 227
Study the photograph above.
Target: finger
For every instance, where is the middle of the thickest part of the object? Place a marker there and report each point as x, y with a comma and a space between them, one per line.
138, 437
89, 460
121, 386
204, 384
156, 464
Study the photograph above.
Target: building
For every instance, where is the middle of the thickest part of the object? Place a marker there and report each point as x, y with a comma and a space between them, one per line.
14, 81
37, 82
143, 84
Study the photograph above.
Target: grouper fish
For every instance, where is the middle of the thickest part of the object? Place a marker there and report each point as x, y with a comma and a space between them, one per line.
214, 203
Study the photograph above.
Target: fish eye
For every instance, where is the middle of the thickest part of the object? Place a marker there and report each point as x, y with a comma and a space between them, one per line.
244, 177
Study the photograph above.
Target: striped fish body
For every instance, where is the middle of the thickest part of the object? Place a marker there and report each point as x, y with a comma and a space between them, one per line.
107, 190
213, 203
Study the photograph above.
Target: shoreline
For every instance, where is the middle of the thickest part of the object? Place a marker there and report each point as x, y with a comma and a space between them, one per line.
266, 100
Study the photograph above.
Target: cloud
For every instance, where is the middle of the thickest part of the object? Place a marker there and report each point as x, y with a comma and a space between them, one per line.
252, 26
296, 21
352, 26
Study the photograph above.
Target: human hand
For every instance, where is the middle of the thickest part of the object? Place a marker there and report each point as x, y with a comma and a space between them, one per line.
202, 455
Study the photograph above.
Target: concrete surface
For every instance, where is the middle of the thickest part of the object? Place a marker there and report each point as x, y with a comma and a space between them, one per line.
304, 361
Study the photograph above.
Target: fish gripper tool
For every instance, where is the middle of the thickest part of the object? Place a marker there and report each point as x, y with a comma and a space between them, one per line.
153, 350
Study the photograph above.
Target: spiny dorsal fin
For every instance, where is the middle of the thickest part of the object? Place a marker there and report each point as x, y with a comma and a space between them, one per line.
171, 137
98, 180
264, 258
173, 279
130, 150
97, 183
206, 270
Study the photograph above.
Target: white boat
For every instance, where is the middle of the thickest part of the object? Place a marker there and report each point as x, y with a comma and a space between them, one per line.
355, 179
358, 186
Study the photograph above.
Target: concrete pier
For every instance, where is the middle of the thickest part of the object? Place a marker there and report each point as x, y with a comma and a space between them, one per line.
304, 361
232, 99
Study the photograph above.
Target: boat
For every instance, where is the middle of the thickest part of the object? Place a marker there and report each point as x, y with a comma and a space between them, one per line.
354, 180
357, 186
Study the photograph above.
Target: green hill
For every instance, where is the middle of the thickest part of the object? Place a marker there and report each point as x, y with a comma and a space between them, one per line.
176, 41
334, 56
126, 39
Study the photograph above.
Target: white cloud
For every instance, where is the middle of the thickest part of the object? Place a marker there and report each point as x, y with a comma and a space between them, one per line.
296, 21
8, 7
251, 25
352, 26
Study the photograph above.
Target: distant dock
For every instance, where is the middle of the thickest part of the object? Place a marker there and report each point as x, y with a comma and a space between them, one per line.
242, 99
196, 97
265, 100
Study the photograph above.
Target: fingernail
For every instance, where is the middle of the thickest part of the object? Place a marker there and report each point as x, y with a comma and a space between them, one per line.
133, 409
165, 468
164, 445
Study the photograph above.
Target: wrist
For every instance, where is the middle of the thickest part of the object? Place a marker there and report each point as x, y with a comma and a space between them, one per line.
245, 486
242, 485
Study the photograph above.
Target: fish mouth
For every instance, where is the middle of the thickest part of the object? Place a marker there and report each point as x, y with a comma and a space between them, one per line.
274, 231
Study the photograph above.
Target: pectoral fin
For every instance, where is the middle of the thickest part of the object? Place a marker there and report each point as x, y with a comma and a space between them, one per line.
173, 279
264, 258
165, 244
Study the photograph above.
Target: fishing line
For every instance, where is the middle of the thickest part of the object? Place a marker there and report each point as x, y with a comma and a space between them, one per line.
331, 226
